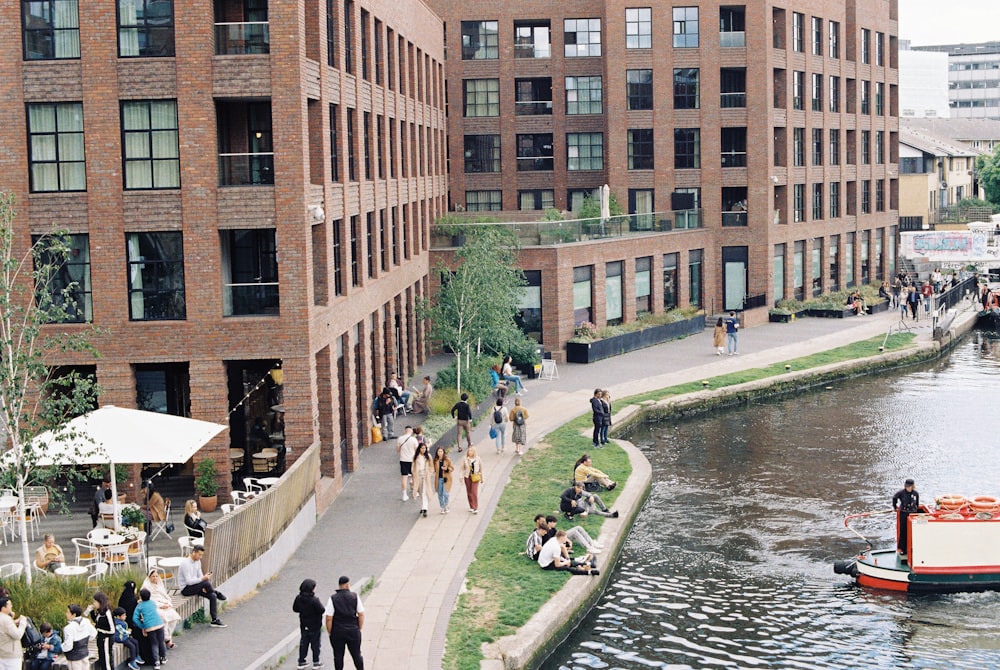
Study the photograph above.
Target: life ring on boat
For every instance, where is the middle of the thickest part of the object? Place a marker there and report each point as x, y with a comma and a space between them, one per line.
984, 504
950, 501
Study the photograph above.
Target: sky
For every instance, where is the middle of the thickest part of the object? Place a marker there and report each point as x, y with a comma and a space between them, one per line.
926, 22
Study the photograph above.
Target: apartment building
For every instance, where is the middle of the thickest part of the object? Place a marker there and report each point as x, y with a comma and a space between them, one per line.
755, 145
973, 78
249, 186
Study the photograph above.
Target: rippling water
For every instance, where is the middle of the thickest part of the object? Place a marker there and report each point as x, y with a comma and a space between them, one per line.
730, 563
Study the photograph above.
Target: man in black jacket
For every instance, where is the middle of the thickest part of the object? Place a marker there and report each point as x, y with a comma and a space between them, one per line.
310, 611
907, 501
597, 407
345, 617
462, 414
574, 501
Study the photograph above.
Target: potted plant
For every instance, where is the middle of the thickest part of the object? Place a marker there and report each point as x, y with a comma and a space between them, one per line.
133, 517
206, 484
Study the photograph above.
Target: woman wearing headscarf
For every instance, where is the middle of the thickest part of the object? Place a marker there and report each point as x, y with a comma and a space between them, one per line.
158, 594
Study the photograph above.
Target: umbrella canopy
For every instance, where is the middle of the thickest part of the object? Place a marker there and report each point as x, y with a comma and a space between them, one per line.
605, 203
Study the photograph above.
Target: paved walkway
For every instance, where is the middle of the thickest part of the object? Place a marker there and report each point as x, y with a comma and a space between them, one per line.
419, 563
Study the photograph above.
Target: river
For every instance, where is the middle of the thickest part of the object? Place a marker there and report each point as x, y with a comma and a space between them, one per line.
729, 564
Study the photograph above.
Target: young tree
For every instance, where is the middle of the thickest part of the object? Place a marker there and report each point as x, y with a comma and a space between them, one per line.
34, 396
988, 172
479, 294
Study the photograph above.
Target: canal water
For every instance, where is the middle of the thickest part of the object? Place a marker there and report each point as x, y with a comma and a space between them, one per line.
730, 562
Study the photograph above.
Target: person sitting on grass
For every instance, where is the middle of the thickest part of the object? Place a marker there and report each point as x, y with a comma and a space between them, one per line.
554, 556
575, 501
583, 471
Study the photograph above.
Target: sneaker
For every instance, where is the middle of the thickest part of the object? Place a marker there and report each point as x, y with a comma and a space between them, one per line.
595, 573
614, 515
612, 485
140, 661
405, 497
317, 665
475, 511
594, 550
163, 661
133, 665
220, 596
216, 623
156, 665
302, 665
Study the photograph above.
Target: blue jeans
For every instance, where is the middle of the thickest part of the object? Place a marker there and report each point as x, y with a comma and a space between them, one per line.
501, 438
518, 385
442, 494
731, 342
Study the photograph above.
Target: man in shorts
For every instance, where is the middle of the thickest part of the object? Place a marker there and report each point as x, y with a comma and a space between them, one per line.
406, 447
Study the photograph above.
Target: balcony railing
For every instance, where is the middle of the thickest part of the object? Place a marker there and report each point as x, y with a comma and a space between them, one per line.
733, 39
246, 169
240, 39
532, 50
731, 100
734, 159
533, 108
534, 164
549, 233
734, 219
256, 299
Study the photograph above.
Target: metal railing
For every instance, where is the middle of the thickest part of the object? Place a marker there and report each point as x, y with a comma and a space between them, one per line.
250, 169
241, 39
251, 299
733, 38
734, 219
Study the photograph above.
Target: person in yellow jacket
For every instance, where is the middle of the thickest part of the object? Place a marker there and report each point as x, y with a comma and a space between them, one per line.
519, 419
584, 472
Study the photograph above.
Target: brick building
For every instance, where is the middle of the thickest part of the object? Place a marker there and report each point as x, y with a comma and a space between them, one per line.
249, 185
755, 144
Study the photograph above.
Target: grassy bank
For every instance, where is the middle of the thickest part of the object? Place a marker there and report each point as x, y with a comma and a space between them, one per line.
505, 589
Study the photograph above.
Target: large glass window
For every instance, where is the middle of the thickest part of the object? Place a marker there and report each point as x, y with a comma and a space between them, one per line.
481, 97
798, 147
695, 276
640, 149
834, 254
817, 267
734, 147
798, 89
798, 270
638, 28
866, 197
250, 272
583, 95
163, 388
834, 94
799, 202
817, 36
583, 293
849, 260
779, 273
155, 276
584, 151
613, 292
817, 92
530, 315
533, 96
480, 40
798, 28
639, 89
817, 146
532, 39
535, 199
879, 146
879, 98
686, 206
151, 148
334, 142
834, 30
866, 97
817, 207
880, 49
482, 153
733, 87
483, 201
879, 195
643, 285
687, 148
866, 142
68, 285
56, 159
145, 28
866, 46
534, 152
669, 281
685, 27
686, 88
640, 205
834, 210
582, 37
51, 29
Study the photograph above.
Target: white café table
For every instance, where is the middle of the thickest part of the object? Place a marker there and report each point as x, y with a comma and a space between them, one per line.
268, 482
171, 564
71, 571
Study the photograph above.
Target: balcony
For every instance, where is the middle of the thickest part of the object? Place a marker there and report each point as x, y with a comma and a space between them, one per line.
533, 108
734, 219
242, 39
256, 299
246, 169
734, 159
733, 100
733, 39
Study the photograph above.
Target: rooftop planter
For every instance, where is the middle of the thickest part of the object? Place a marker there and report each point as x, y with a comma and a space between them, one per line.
593, 347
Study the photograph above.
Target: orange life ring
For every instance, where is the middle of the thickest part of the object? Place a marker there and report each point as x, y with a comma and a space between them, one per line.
984, 504
950, 501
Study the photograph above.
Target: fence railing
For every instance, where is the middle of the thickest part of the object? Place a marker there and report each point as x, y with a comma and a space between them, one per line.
235, 540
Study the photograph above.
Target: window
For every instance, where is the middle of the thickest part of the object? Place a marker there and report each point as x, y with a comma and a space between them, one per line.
798, 86
639, 89
480, 40
380, 145
534, 152
798, 270
866, 196
880, 195
817, 36
866, 46
734, 206
834, 146
51, 29
669, 281
640, 206
686, 88
379, 28
150, 147
155, 276
584, 151
834, 94
613, 292
331, 34
879, 146
834, 247
686, 206
732, 26
834, 31
643, 284
367, 141
352, 163
866, 94
531, 305
779, 273
685, 27
575, 197
250, 272
817, 146
338, 261
834, 199
866, 140
145, 28
334, 143
483, 201
640, 149
734, 147
532, 39
370, 242
56, 159
482, 153
536, 199
365, 24
481, 97
687, 148
349, 36
817, 92
583, 294
817, 267
355, 251
880, 49
694, 276
798, 27
533, 96
733, 87
879, 98
817, 202
798, 147
639, 28
799, 202
581, 37
68, 284
583, 95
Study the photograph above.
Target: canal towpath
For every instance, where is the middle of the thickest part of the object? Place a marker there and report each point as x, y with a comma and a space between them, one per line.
418, 564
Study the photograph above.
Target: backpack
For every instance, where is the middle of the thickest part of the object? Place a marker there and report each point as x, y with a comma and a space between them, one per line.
518, 418
497, 416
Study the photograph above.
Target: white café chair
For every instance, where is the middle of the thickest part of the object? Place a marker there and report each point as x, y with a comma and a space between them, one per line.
239, 497
95, 571
227, 508
8, 570
186, 543
253, 485
160, 527
86, 551
116, 556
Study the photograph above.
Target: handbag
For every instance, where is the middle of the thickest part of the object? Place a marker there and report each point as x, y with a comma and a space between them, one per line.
475, 478
493, 433
169, 527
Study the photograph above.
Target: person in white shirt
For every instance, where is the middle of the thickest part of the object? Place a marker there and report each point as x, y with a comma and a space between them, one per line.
194, 583
551, 558
345, 617
406, 447
76, 637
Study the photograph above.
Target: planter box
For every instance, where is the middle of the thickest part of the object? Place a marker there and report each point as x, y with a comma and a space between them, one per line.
589, 352
880, 306
785, 318
836, 313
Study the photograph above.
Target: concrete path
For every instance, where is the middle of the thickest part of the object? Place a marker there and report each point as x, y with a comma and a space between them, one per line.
419, 563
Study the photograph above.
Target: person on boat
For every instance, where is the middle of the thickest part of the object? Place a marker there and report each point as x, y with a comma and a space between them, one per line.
907, 501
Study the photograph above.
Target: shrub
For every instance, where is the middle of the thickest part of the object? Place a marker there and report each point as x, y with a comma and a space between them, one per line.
475, 380
588, 332
48, 597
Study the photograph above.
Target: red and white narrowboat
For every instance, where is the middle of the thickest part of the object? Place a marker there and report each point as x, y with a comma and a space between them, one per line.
954, 546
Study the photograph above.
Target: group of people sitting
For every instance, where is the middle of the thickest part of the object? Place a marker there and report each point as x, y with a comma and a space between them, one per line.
502, 378
394, 395
582, 497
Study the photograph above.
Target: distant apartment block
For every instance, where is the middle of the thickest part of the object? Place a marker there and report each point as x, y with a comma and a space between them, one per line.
973, 78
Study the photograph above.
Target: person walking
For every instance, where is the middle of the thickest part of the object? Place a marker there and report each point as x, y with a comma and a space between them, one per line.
345, 617
498, 426
423, 477
927, 292
472, 473
443, 469
310, 611
519, 419
462, 414
606, 419
904, 292
597, 410
732, 334
913, 300
406, 447
719, 337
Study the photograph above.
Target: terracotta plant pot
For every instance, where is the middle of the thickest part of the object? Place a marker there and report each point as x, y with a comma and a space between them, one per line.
208, 503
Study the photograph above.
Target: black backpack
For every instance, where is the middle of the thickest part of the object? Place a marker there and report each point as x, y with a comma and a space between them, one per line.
497, 416
518, 418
